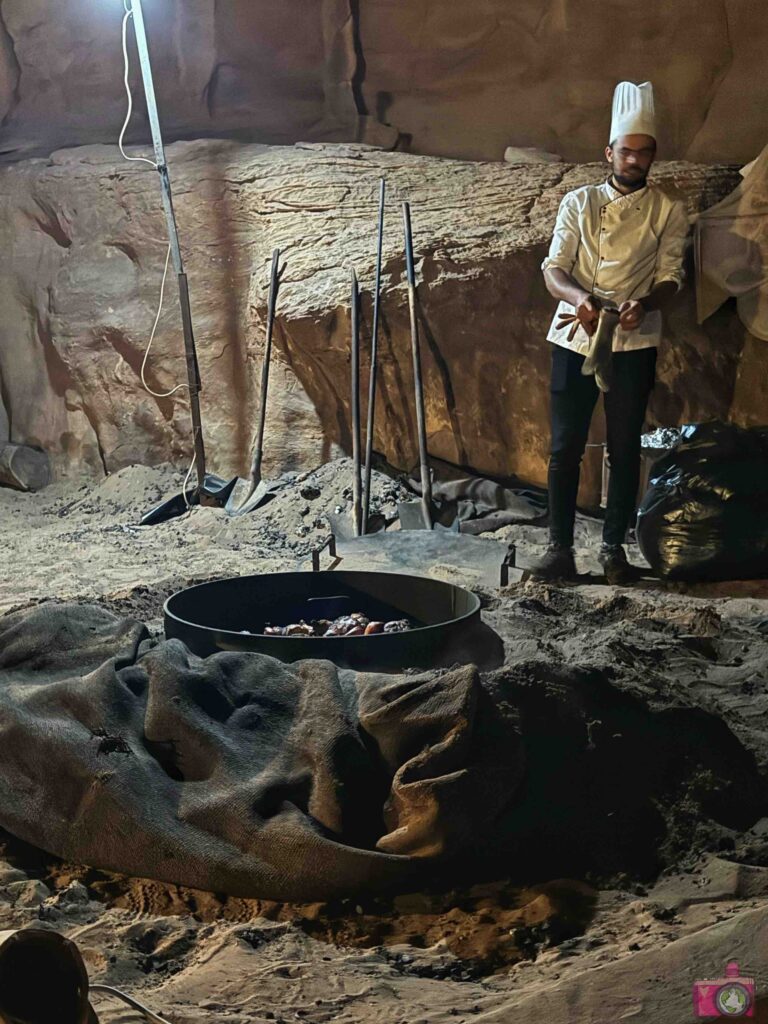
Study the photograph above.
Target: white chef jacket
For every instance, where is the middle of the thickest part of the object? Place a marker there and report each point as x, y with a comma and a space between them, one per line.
617, 247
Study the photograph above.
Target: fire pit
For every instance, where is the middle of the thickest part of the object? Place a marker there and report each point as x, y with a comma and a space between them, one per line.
231, 615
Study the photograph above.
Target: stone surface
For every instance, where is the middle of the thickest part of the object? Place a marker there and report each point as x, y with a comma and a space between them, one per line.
469, 79
450, 79
270, 72
27, 893
83, 247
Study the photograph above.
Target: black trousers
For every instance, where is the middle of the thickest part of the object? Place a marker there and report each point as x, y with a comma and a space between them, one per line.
573, 399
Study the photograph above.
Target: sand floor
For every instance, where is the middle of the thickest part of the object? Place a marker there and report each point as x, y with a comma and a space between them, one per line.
436, 957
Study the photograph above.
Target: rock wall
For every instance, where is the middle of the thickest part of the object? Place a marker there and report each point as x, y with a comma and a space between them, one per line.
468, 79
275, 72
451, 79
82, 249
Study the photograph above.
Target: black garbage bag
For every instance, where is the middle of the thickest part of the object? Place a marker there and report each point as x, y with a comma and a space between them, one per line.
705, 514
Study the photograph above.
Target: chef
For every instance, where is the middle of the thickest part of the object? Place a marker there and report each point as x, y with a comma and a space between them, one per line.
617, 244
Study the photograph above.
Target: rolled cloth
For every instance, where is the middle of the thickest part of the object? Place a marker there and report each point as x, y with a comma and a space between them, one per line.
236, 773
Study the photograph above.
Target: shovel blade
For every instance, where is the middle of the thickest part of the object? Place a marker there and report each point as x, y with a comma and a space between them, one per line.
171, 508
411, 516
238, 505
342, 525
216, 491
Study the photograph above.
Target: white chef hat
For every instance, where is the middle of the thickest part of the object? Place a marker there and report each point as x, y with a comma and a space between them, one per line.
633, 112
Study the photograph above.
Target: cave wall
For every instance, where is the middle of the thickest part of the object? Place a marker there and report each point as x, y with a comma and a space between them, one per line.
452, 78
469, 79
82, 249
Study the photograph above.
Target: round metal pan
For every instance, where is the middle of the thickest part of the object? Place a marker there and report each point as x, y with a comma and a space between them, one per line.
229, 615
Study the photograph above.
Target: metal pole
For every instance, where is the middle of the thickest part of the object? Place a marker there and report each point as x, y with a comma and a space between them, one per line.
193, 370
258, 451
374, 361
357, 507
421, 422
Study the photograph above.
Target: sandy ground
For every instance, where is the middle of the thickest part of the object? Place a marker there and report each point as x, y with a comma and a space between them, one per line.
556, 951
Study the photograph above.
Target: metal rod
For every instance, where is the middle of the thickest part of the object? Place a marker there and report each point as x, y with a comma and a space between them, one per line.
148, 1014
193, 373
357, 508
374, 363
426, 480
258, 451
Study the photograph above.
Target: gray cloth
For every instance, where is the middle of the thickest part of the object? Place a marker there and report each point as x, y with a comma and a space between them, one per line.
480, 505
241, 775
236, 773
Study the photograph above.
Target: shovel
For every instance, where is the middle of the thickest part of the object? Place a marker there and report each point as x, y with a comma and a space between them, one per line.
418, 515
214, 492
261, 491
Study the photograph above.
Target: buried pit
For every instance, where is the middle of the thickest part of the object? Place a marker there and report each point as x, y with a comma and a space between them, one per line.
231, 615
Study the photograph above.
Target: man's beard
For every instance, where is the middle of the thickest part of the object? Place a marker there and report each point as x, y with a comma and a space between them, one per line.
632, 181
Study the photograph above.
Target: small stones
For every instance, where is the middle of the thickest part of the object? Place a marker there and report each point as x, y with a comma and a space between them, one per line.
9, 874
28, 894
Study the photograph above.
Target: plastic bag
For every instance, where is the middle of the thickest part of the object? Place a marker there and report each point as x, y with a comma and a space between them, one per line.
705, 514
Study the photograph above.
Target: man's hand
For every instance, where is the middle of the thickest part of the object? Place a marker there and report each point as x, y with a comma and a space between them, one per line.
631, 314
587, 314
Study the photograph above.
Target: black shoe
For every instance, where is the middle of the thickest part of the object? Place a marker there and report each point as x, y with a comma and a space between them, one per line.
555, 564
618, 571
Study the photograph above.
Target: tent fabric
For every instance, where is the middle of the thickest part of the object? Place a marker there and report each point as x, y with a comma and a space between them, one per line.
731, 251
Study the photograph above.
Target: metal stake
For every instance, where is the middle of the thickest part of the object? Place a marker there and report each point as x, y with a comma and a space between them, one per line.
374, 363
357, 508
193, 370
421, 423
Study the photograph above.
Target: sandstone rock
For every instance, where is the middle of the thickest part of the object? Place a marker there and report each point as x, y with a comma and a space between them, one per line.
82, 256
717, 880
24, 468
467, 79
28, 894
276, 72
10, 874
529, 155
449, 79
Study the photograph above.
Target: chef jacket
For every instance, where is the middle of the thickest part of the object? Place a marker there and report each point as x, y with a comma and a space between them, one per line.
617, 247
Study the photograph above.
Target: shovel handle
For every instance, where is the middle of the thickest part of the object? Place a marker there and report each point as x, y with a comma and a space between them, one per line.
357, 496
374, 360
274, 284
421, 425
411, 273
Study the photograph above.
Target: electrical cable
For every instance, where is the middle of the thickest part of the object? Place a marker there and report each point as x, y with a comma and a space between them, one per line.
141, 159
186, 479
179, 387
107, 990
133, 159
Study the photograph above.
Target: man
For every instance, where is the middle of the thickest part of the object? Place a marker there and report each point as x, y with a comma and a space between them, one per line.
617, 244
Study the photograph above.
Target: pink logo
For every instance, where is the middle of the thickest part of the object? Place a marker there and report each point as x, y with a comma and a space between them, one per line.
731, 996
